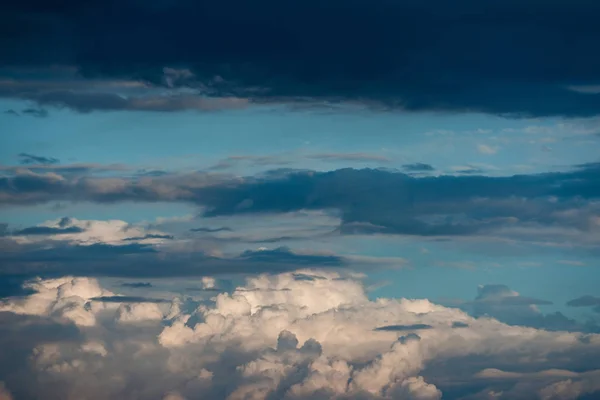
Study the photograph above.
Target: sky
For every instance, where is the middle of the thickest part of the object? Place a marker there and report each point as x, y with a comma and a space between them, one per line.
299, 200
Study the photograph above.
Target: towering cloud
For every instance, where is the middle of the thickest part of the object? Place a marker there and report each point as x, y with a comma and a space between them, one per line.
287, 337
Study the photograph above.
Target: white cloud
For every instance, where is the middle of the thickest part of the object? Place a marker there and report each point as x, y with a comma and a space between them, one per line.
88, 232
291, 336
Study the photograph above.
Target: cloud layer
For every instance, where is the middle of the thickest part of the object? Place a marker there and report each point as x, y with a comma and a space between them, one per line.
511, 57
536, 206
280, 337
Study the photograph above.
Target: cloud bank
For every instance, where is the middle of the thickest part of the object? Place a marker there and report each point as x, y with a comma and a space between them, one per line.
520, 58
280, 337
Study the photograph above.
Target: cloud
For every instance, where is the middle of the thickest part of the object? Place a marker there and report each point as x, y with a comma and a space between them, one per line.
251, 161
349, 157
486, 149
278, 337
114, 248
90, 232
418, 167
510, 307
584, 301
47, 230
211, 230
35, 112
149, 236
137, 285
333, 62
399, 328
520, 207
128, 299
84, 96
26, 158
284, 254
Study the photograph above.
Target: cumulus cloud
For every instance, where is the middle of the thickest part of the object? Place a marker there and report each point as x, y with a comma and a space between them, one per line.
284, 337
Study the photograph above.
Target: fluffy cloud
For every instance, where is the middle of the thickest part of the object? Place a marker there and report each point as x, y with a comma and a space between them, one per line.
65, 298
287, 337
89, 232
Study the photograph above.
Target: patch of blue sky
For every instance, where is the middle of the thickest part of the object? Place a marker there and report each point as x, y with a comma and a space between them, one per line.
200, 140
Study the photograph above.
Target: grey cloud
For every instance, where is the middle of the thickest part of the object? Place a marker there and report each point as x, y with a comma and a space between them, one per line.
150, 236
285, 255
253, 161
128, 299
211, 230
349, 157
139, 261
400, 328
137, 285
35, 112
530, 54
26, 158
369, 201
418, 167
45, 230
502, 295
500, 302
86, 96
458, 324
584, 301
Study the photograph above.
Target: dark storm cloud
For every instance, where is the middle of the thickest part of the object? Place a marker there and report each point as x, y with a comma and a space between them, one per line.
418, 167
502, 57
26, 159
